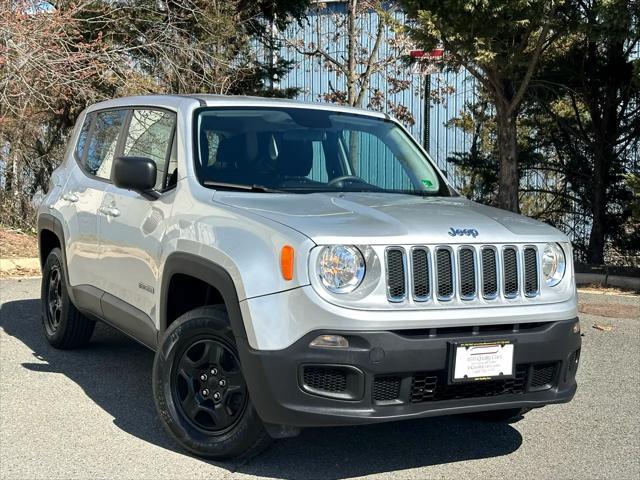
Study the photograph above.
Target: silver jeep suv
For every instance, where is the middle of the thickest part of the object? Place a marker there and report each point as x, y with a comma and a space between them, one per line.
298, 265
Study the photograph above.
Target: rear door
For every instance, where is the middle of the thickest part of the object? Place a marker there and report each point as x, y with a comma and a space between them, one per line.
132, 226
84, 191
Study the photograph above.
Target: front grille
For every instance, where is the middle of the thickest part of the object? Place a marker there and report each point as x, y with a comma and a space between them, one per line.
542, 375
386, 388
467, 273
433, 387
325, 379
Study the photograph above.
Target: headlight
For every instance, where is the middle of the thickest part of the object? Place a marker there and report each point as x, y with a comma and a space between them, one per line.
341, 268
553, 264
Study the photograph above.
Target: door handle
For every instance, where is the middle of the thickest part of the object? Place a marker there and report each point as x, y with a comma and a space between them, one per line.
70, 197
110, 211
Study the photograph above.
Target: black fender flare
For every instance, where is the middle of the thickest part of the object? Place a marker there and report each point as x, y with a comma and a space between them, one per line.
206, 271
52, 224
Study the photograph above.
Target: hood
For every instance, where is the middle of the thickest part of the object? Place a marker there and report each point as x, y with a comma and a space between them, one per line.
382, 218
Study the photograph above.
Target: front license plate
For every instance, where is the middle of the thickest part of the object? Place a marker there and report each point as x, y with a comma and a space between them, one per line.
483, 361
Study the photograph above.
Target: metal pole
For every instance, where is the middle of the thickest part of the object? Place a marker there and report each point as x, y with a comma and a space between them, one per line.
426, 114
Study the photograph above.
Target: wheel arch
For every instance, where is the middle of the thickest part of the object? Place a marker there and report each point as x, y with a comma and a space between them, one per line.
50, 236
208, 272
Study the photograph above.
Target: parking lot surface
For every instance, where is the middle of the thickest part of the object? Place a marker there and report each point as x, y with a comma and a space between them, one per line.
89, 413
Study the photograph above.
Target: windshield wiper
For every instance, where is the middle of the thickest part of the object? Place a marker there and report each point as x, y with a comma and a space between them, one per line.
240, 186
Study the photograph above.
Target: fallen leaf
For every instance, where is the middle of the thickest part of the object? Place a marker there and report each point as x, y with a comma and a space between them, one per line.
603, 327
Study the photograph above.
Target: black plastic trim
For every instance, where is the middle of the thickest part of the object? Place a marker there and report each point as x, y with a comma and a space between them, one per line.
279, 399
50, 223
206, 271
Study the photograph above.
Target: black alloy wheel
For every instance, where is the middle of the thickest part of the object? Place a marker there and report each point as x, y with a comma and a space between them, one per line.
53, 297
208, 386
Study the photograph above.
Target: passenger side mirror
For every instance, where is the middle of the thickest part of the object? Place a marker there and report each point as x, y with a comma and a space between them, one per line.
136, 173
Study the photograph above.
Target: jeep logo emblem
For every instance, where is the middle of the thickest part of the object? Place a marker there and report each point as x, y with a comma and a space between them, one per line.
459, 232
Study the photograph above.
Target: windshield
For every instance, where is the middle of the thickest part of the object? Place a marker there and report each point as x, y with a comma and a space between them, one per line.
308, 150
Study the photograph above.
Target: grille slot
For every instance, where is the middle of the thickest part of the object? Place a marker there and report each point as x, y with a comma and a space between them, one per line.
444, 269
467, 268
386, 389
325, 379
510, 272
530, 272
396, 275
489, 273
432, 387
421, 274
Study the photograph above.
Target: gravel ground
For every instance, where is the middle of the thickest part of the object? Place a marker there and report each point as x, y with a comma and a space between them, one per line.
89, 414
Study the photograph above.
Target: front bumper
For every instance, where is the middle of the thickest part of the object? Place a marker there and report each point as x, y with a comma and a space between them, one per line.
395, 375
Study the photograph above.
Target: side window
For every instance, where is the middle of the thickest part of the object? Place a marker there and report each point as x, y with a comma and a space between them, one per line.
102, 144
150, 134
82, 137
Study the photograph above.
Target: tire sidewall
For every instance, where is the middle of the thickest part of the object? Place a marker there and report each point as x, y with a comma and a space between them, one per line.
54, 259
201, 322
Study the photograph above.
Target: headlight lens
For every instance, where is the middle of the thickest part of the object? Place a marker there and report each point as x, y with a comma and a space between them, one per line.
341, 268
553, 264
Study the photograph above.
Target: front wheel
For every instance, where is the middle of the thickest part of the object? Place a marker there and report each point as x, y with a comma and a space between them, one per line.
199, 388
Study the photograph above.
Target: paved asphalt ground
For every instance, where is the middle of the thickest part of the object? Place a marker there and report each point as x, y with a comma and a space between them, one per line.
89, 414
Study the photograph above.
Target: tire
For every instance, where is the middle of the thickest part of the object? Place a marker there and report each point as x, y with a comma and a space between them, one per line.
64, 326
198, 343
501, 415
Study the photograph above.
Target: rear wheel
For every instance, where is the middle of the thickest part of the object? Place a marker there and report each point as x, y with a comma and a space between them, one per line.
199, 389
64, 326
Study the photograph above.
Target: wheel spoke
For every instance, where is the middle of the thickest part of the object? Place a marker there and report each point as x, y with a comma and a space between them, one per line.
214, 353
222, 417
188, 369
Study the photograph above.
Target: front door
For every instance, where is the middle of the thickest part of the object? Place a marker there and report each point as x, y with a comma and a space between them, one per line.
132, 227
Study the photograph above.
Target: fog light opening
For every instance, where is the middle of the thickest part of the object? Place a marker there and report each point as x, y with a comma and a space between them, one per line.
576, 327
330, 341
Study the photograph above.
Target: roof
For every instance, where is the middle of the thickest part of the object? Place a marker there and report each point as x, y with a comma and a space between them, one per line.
173, 101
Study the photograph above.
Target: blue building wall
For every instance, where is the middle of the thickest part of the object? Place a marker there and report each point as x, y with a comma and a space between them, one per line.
314, 78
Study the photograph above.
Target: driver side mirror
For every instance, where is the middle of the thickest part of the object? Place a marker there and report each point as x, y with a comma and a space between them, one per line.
136, 173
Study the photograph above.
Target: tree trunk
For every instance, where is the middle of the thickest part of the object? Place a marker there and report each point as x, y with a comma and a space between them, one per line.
351, 52
598, 208
508, 178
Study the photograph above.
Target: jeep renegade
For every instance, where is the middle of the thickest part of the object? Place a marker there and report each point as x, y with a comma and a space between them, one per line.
298, 265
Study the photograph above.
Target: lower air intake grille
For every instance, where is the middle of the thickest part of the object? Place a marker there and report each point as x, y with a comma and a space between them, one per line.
386, 388
542, 375
432, 387
325, 379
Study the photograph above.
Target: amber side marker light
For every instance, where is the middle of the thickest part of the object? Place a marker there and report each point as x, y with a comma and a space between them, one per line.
286, 262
